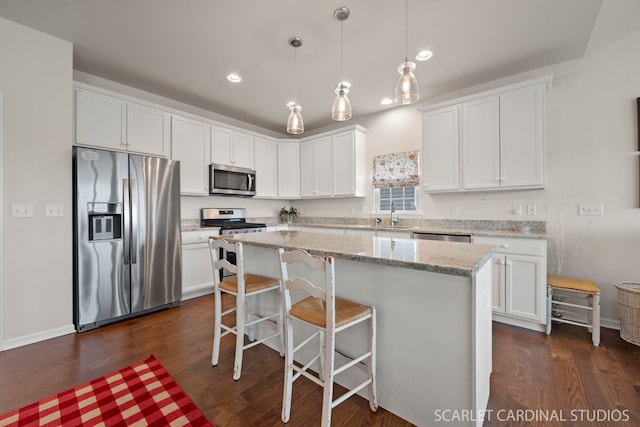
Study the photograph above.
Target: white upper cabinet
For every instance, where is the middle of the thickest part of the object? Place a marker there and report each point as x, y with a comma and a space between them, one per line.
440, 157
288, 170
266, 166
348, 165
522, 137
190, 142
112, 123
332, 164
148, 130
231, 148
100, 120
489, 141
315, 170
480, 143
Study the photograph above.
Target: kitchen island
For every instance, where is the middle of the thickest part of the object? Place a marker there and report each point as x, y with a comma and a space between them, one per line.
433, 302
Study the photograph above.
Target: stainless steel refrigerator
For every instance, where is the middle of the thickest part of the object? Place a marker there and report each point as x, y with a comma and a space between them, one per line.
127, 257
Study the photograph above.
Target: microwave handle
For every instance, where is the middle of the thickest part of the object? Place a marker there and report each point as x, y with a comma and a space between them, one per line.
250, 176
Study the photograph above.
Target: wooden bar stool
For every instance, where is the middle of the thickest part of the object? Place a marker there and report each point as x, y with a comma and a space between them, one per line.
242, 286
327, 314
558, 286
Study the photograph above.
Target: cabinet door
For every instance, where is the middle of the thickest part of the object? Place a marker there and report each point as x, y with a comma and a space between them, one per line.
266, 165
242, 150
315, 168
524, 275
323, 166
288, 173
308, 184
440, 150
344, 160
498, 277
221, 145
191, 144
522, 137
197, 273
100, 120
147, 130
480, 142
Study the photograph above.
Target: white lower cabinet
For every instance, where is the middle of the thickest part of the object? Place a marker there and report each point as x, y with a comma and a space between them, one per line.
197, 273
519, 280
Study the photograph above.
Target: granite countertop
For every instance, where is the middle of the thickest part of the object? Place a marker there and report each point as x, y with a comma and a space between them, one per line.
533, 234
458, 259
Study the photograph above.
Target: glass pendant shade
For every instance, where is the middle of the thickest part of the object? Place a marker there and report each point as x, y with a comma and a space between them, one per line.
407, 91
294, 123
341, 109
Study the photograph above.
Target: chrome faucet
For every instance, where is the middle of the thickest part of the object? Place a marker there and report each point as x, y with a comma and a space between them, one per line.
393, 221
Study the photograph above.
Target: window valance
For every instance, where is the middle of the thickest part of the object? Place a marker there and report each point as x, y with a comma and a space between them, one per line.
396, 170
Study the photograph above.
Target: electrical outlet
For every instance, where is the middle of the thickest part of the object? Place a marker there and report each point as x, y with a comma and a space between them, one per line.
54, 210
455, 210
591, 209
531, 209
22, 210
516, 209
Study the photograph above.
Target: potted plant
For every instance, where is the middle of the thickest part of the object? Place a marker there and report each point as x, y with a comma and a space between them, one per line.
288, 215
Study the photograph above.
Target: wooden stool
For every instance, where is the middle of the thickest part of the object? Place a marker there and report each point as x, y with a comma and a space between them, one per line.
327, 314
570, 287
242, 286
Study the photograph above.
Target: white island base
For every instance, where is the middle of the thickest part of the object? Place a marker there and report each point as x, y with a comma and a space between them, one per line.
433, 335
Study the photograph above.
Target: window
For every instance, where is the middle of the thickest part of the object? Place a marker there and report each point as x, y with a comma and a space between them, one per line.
395, 179
403, 198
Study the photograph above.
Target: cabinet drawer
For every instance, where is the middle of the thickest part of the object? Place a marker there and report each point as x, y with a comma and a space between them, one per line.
514, 245
200, 236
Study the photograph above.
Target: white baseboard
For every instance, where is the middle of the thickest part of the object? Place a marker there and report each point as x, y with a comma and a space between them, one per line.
37, 337
197, 292
604, 323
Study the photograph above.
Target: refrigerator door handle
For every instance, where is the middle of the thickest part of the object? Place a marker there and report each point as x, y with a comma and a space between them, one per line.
127, 218
134, 221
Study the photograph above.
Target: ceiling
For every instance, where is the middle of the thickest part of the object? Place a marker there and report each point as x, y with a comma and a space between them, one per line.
184, 49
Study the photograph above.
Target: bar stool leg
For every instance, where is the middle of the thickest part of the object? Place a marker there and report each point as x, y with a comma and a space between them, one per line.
371, 366
596, 320
217, 319
549, 295
240, 321
329, 362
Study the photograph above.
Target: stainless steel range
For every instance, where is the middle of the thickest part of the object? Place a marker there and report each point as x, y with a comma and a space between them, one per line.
229, 221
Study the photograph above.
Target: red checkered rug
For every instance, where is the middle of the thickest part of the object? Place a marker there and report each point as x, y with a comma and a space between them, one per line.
143, 394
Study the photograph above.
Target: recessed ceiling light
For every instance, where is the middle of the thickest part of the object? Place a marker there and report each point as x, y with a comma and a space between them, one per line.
424, 55
386, 101
234, 78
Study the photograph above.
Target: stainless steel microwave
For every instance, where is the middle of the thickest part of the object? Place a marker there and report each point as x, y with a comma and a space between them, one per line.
231, 180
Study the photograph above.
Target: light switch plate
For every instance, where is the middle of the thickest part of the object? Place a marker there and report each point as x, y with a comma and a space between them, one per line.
22, 210
591, 209
54, 209
516, 209
455, 210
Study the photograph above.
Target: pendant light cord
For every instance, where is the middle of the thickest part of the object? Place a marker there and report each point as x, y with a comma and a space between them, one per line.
295, 77
341, 51
406, 30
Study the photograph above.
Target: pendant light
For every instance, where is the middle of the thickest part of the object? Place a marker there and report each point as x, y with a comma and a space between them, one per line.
294, 123
341, 109
407, 90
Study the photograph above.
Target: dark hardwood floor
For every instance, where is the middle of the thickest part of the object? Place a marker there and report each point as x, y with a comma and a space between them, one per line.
546, 376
